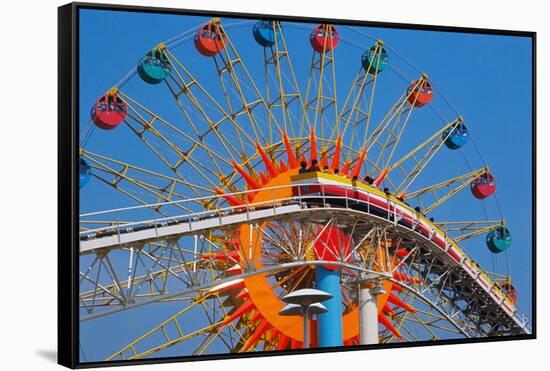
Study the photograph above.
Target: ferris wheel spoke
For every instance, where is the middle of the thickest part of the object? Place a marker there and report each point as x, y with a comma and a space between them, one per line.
289, 249
407, 333
171, 332
416, 320
386, 136
282, 91
359, 242
145, 186
166, 141
211, 117
464, 230
284, 279
429, 322
413, 163
433, 196
356, 111
165, 269
242, 95
320, 99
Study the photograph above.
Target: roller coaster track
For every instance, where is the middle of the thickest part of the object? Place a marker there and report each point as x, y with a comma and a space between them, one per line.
461, 291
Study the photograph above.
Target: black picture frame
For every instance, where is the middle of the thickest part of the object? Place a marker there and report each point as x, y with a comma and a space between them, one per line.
68, 195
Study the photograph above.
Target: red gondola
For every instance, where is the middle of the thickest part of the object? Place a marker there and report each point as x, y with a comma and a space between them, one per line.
324, 38
108, 111
420, 93
210, 39
483, 186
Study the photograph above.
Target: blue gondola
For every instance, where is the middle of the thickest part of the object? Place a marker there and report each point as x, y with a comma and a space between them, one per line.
263, 33
154, 67
458, 137
499, 240
85, 173
370, 61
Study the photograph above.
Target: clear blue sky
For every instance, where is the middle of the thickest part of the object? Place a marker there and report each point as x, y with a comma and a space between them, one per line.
486, 78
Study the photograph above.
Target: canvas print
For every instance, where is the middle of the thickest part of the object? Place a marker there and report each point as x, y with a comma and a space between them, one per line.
273, 185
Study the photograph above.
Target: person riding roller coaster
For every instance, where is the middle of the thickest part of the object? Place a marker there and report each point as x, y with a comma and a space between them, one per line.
314, 166
303, 167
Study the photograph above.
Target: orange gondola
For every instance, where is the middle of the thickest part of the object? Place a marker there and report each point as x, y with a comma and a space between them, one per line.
210, 39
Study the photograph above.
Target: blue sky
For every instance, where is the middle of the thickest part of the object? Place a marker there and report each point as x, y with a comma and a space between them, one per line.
486, 78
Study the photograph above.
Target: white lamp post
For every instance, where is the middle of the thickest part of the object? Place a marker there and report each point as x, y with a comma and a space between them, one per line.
305, 302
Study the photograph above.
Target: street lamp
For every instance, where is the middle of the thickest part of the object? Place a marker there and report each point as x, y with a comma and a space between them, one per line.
305, 302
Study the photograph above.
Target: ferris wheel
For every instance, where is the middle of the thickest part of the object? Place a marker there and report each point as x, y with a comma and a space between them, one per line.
260, 181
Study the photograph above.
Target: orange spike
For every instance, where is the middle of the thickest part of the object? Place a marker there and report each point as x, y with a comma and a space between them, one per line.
283, 342
282, 166
400, 303
381, 177
405, 278
359, 164
233, 201
397, 288
313, 148
260, 330
233, 243
269, 165
292, 161
402, 252
336, 157
265, 178
303, 158
386, 309
345, 169
247, 177
387, 324
246, 307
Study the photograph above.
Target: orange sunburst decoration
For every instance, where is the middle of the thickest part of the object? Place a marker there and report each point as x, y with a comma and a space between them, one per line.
254, 300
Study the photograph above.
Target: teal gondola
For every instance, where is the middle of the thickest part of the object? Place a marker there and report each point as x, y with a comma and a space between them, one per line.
499, 240
154, 67
374, 61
